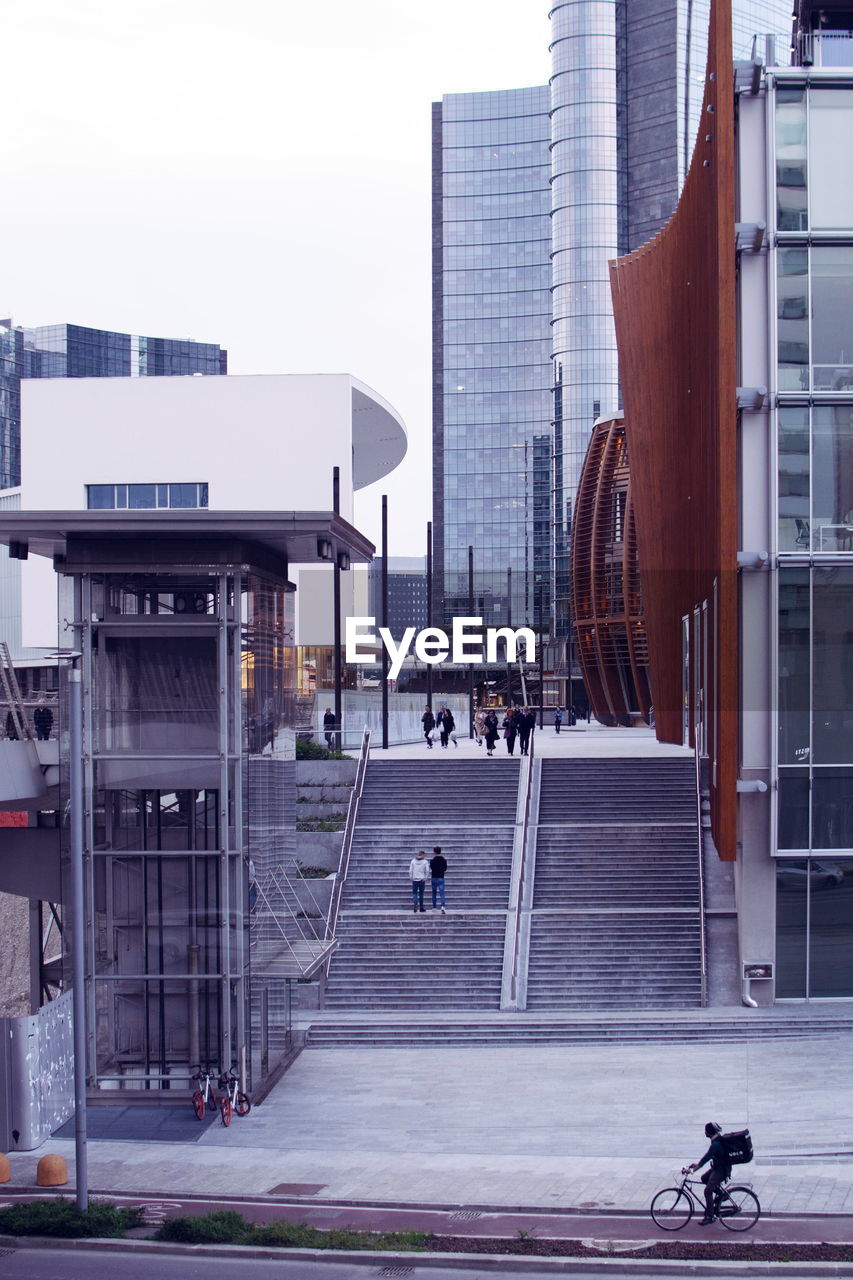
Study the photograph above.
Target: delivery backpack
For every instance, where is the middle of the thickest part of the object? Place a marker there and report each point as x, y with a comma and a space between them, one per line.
738, 1145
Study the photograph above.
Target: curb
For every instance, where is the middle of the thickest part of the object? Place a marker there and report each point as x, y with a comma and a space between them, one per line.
554, 1211
450, 1261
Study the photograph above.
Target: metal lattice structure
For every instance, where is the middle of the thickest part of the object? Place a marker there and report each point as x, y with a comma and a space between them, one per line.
607, 604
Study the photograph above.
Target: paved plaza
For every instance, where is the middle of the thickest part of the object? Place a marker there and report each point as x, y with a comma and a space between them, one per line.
581, 740
588, 1126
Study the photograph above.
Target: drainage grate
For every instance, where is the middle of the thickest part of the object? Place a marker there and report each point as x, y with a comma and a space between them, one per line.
297, 1189
6, 1253
465, 1215
396, 1271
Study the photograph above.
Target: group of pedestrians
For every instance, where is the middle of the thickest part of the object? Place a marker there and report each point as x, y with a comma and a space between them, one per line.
443, 722
420, 869
518, 723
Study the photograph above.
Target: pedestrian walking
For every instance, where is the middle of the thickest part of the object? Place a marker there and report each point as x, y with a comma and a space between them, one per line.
428, 722
558, 719
43, 720
510, 730
329, 728
446, 725
491, 732
11, 727
418, 872
525, 721
437, 868
479, 725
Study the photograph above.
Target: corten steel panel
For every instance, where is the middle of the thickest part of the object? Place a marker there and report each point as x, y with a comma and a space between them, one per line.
606, 598
674, 305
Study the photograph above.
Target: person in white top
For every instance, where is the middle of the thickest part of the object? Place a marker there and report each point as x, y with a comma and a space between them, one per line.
418, 873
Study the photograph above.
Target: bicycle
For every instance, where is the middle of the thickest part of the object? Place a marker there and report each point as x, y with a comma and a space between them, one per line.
735, 1205
205, 1094
232, 1099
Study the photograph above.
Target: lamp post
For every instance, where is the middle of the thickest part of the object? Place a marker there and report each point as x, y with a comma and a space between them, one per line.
336, 598
78, 917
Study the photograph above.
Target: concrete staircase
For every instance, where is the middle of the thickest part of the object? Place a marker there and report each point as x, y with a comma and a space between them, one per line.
615, 920
392, 959
524, 1029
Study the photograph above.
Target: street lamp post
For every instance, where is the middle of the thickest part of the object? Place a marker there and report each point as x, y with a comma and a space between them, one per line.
78, 917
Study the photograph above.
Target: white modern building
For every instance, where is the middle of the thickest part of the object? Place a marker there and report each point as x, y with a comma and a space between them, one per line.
248, 443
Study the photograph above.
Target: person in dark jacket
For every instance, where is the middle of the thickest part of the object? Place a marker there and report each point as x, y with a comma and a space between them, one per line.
719, 1172
329, 728
11, 727
490, 725
446, 725
510, 730
428, 722
437, 868
526, 720
43, 720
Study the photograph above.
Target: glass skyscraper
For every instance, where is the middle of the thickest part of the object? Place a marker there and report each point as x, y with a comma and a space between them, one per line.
72, 351
604, 150
492, 401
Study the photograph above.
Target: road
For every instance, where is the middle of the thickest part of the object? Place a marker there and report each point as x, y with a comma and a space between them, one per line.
83, 1264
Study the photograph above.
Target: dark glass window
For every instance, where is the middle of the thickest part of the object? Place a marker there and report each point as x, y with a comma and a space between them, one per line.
141, 497
183, 495
100, 497
791, 928
793, 830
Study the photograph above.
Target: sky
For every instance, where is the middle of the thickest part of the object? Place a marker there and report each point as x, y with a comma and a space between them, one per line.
255, 174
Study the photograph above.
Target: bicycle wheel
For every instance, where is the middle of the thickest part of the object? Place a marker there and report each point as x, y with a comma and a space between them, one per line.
671, 1209
198, 1105
739, 1209
242, 1105
225, 1109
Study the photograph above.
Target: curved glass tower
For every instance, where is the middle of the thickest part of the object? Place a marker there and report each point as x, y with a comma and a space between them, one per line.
584, 237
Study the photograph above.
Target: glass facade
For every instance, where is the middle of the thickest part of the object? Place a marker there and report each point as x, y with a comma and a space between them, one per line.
145, 497
492, 379
72, 351
814, 432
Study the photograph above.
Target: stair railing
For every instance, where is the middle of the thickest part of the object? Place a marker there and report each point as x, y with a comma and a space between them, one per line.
703, 958
521, 834
349, 829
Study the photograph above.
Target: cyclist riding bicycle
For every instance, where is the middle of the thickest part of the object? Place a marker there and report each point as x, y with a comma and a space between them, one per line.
719, 1172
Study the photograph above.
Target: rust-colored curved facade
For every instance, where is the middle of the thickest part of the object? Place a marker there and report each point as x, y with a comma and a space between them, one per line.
607, 606
674, 306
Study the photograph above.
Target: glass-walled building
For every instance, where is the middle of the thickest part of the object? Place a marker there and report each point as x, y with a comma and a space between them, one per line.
492, 437
74, 351
813, 117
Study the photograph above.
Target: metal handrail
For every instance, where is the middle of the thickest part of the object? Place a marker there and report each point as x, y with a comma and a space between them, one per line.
349, 829
516, 930
703, 960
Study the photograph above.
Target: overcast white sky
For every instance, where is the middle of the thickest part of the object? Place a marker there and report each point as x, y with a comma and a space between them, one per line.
253, 173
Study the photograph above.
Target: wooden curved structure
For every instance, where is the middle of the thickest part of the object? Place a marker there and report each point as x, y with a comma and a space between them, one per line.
674, 307
607, 608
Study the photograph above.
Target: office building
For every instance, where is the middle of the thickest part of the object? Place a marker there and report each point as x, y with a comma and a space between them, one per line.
73, 351
492, 440
407, 593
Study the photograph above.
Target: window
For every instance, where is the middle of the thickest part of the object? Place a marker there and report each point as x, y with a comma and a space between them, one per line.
145, 497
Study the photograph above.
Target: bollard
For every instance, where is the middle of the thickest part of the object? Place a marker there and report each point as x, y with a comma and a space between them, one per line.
5, 1168
52, 1171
